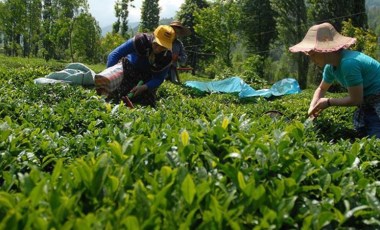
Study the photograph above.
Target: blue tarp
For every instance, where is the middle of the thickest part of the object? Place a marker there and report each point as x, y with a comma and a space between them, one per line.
237, 85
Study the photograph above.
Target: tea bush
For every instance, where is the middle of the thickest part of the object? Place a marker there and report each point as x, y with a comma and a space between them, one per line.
69, 159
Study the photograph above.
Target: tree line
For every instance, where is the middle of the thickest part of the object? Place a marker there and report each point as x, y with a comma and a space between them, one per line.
51, 29
241, 37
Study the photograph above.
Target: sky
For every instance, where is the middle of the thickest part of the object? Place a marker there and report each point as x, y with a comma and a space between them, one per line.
103, 10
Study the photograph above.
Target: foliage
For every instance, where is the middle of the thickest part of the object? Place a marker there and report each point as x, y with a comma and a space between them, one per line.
56, 29
86, 39
43, 28
193, 42
374, 19
70, 160
121, 13
150, 15
58, 17
14, 25
252, 72
366, 40
218, 26
333, 12
372, 3
258, 25
374, 24
109, 43
291, 24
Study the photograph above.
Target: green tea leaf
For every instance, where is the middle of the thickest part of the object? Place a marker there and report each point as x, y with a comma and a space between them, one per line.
185, 138
116, 149
131, 223
241, 181
6, 200
258, 192
188, 189
373, 200
216, 209
225, 123
202, 190
114, 181
325, 218
56, 172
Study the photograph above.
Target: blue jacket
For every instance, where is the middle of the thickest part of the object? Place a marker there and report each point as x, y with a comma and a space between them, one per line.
179, 50
138, 50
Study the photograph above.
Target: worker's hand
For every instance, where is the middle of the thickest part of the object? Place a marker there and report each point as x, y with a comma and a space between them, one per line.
139, 89
175, 57
318, 108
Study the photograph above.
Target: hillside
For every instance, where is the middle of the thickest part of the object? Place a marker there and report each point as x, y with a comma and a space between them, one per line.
372, 3
108, 29
135, 26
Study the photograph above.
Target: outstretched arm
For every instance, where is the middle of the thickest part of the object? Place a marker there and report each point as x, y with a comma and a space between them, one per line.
122, 51
319, 102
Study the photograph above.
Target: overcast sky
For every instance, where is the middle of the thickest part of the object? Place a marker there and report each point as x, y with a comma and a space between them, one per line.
104, 13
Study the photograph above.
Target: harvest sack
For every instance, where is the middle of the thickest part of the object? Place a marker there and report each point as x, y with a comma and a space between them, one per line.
109, 79
74, 74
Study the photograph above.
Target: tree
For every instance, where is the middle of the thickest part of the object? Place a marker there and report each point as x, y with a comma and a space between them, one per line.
121, 12
58, 17
218, 26
258, 25
374, 19
14, 24
333, 12
44, 28
33, 30
86, 39
150, 15
47, 50
193, 43
291, 24
108, 43
366, 40
65, 12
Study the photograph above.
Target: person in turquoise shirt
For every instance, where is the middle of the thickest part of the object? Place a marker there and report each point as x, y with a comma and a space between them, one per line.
357, 72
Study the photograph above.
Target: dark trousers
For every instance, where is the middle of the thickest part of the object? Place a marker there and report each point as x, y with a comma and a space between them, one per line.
173, 75
131, 77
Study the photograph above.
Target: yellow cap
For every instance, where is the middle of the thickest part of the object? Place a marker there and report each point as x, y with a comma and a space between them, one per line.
164, 36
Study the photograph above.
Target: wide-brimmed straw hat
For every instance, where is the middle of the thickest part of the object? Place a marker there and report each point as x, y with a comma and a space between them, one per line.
164, 36
181, 30
323, 38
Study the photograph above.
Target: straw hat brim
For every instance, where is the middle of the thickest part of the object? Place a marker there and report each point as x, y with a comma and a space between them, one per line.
181, 30
323, 38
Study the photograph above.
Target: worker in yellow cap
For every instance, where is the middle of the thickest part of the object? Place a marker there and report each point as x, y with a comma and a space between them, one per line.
146, 59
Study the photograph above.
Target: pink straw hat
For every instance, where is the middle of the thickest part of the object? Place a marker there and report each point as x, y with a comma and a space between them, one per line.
323, 38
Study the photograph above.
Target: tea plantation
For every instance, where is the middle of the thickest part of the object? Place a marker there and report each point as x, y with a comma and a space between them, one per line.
70, 160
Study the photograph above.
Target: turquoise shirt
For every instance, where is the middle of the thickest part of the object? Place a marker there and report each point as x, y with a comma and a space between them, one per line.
355, 69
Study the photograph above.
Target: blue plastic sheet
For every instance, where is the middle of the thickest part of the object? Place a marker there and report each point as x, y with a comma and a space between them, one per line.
237, 85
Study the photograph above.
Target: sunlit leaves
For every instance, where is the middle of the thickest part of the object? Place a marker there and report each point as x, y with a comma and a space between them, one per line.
218, 26
70, 160
188, 189
185, 138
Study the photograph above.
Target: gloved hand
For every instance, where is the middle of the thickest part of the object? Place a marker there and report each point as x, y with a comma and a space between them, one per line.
175, 57
138, 89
